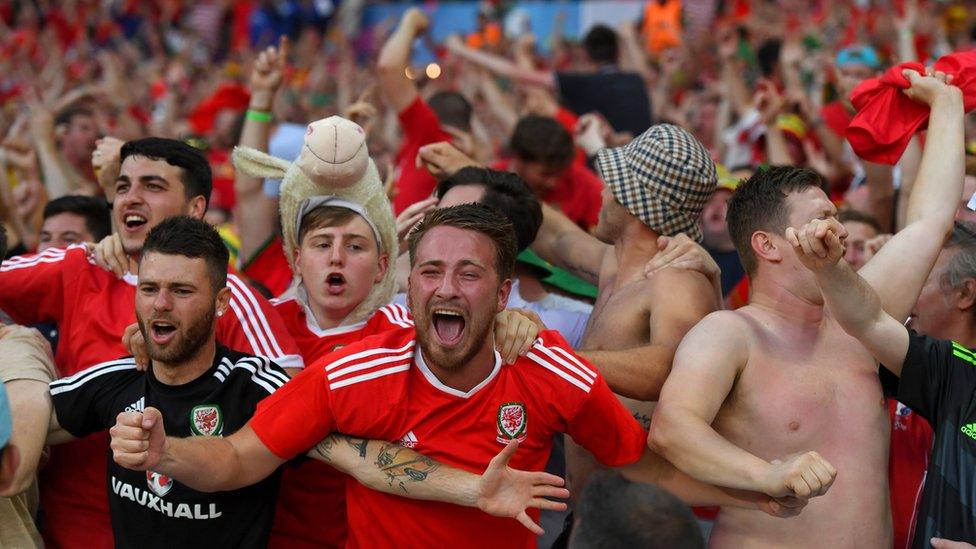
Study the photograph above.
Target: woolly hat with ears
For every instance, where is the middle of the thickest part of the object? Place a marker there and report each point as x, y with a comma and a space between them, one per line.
334, 162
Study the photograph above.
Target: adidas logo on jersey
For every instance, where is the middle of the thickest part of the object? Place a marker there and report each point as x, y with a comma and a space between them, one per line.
969, 430
137, 406
409, 440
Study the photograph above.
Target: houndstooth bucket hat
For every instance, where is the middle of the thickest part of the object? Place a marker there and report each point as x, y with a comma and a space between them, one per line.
664, 177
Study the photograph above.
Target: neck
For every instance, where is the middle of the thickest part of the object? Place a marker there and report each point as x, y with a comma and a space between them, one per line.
188, 370
326, 318
530, 287
635, 246
961, 330
470, 374
781, 300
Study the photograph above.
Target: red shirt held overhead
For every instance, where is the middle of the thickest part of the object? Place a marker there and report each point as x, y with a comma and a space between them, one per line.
420, 127
355, 389
92, 308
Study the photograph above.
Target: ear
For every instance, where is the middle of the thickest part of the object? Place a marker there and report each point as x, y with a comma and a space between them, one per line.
503, 292
298, 260
965, 295
259, 164
382, 264
223, 300
9, 460
197, 207
765, 247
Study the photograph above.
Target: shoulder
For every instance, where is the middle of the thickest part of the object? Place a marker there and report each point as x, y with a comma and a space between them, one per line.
373, 358
552, 360
258, 372
74, 255
391, 315
113, 371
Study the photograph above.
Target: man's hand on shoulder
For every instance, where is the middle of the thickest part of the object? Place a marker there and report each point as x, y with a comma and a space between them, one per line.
507, 492
138, 439
110, 255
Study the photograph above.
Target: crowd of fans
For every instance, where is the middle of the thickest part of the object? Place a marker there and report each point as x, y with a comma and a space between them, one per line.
684, 193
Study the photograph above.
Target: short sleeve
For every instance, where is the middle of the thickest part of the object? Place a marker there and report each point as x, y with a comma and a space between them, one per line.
927, 373
297, 416
608, 430
420, 124
253, 327
88, 401
32, 286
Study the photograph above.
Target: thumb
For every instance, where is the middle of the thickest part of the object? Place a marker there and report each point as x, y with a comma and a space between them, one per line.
503, 457
662, 242
911, 75
151, 418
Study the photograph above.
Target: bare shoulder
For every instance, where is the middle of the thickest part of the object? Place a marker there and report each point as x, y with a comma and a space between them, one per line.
726, 331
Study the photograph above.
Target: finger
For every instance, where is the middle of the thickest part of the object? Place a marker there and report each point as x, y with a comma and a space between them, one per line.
800, 487
131, 419
549, 492
501, 460
823, 477
791, 237
805, 244
810, 478
130, 446
127, 432
547, 505
547, 478
834, 246
817, 244
528, 523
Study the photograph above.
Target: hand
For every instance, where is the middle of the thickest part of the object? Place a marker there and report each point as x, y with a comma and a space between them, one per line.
507, 492
138, 439
784, 507
410, 216
41, 123
525, 45
804, 475
389, 182
768, 101
681, 252
939, 543
728, 44
362, 111
872, 246
515, 332
443, 159
590, 132
454, 43
110, 255
927, 89
792, 53
907, 20
268, 72
415, 20
819, 244
106, 160
135, 345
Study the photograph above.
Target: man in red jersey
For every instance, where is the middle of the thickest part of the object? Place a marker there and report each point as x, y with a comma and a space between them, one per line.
454, 399
159, 178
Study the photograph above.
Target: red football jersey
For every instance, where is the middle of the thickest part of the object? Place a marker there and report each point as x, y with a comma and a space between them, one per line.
420, 127
381, 388
908, 460
92, 308
312, 502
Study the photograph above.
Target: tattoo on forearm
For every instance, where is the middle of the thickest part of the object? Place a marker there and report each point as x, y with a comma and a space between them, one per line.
359, 444
643, 419
324, 448
581, 271
403, 466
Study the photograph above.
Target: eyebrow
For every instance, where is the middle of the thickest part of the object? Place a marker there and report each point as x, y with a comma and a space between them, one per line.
143, 179
461, 263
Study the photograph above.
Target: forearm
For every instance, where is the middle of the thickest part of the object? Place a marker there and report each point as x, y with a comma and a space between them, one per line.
504, 67
654, 469
557, 240
393, 469
695, 448
777, 153
881, 194
206, 464
942, 170
56, 178
31, 409
395, 55
849, 298
637, 373
259, 210
738, 91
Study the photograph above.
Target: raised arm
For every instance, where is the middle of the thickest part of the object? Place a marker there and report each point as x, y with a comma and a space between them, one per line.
388, 467
394, 58
501, 66
564, 244
260, 210
705, 368
899, 270
848, 297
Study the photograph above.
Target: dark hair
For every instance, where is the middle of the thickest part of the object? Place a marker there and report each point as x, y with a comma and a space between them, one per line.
452, 109
615, 512
193, 238
195, 170
759, 204
67, 115
855, 216
324, 216
474, 217
962, 266
600, 44
542, 139
98, 219
505, 192
767, 55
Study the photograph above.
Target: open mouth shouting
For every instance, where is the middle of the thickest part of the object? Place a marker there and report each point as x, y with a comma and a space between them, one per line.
161, 331
448, 325
133, 221
335, 283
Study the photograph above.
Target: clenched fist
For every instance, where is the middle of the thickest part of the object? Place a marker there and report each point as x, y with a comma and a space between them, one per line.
818, 244
138, 439
804, 475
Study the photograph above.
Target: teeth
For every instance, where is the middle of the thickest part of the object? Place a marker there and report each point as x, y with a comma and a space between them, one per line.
131, 218
447, 313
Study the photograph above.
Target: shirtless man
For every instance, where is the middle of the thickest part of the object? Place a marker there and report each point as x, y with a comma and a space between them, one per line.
637, 321
779, 376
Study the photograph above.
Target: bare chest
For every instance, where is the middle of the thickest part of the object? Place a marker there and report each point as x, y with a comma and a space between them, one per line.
620, 317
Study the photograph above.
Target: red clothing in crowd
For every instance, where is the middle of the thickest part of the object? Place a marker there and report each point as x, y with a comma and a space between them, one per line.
92, 308
312, 502
837, 117
577, 195
270, 268
352, 391
420, 127
908, 459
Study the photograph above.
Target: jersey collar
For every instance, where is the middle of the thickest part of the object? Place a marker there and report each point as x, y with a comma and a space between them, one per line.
432, 379
301, 295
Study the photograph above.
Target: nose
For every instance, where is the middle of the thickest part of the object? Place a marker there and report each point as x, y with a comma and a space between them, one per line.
337, 254
163, 301
447, 289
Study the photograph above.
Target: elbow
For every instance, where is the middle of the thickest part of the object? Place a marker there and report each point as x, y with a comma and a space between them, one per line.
661, 434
